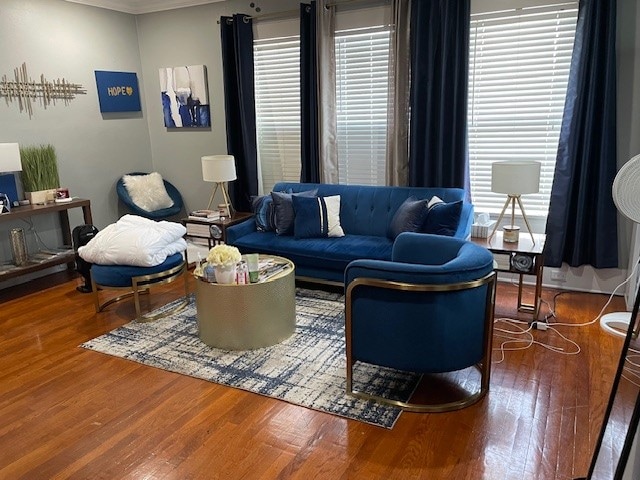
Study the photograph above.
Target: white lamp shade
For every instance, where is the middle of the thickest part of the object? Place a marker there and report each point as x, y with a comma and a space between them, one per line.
10, 157
515, 177
218, 168
626, 189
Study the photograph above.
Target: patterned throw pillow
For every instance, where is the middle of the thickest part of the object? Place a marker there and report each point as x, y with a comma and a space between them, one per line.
264, 213
317, 217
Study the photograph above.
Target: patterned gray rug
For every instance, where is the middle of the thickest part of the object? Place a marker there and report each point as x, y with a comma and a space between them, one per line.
307, 369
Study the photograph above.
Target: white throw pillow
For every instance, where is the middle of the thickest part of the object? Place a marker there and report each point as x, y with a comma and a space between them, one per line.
333, 216
147, 191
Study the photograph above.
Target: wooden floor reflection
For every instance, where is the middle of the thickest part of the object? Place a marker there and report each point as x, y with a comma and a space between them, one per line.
66, 412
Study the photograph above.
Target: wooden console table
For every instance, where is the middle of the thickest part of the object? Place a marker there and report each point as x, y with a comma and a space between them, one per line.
59, 258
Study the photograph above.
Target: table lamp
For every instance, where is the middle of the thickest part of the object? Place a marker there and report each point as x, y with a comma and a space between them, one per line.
9, 163
514, 178
219, 169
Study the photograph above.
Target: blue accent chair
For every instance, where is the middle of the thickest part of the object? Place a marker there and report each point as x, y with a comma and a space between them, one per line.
136, 281
429, 310
161, 214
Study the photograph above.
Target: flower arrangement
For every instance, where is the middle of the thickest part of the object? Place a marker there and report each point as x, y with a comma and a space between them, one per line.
224, 255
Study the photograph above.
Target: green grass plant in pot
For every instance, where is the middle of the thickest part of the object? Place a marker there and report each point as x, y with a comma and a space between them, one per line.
39, 173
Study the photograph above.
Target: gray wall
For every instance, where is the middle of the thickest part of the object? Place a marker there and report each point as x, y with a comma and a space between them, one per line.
628, 43
62, 39
66, 40
188, 36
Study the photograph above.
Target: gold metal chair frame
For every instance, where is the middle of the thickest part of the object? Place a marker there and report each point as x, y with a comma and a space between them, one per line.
140, 285
484, 366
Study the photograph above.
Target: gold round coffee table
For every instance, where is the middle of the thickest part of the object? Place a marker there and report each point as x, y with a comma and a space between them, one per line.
246, 317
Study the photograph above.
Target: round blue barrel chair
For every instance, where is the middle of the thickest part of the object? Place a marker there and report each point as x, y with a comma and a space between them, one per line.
429, 311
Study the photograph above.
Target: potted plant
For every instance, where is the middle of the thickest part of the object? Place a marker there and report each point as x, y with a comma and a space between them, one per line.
39, 173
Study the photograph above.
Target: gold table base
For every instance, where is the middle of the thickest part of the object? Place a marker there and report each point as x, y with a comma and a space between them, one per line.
246, 317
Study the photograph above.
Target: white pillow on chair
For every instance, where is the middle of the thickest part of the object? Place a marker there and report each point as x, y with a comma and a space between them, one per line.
147, 191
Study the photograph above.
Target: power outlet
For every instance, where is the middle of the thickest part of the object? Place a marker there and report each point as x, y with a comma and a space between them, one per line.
558, 275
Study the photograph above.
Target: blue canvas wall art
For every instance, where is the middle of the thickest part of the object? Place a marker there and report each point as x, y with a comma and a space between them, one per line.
185, 101
118, 91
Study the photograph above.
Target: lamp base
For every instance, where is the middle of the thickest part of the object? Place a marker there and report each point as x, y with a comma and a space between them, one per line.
224, 209
511, 233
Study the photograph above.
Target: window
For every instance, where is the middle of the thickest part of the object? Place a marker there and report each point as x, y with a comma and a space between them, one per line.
362, 73
518, 70
362, 65
277, 97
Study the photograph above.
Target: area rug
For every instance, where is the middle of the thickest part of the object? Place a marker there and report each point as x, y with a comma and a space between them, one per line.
307, 369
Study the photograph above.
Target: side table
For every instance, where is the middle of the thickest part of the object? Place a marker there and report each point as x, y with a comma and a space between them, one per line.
246, 317
524, 258
215, 231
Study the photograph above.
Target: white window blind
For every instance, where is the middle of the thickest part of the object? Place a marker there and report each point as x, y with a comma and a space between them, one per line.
277, 97
518, 71
362, 72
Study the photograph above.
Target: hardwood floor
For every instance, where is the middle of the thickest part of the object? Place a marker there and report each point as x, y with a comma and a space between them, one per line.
67, 412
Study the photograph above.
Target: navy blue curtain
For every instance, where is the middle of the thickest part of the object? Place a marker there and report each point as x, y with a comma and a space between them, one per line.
582, 222
310, 157
239, 101
438, 154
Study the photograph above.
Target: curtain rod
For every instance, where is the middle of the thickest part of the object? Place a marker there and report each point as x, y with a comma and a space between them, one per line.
345, 2
291, 13
266, 16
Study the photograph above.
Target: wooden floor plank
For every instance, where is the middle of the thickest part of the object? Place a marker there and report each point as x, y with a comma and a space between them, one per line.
67, 412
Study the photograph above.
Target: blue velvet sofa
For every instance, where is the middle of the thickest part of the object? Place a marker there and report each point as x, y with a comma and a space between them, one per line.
365, 215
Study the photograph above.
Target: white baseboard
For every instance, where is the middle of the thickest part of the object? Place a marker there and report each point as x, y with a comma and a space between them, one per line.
579, 279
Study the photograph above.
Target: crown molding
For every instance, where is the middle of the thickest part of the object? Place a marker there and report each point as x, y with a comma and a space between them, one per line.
136, 7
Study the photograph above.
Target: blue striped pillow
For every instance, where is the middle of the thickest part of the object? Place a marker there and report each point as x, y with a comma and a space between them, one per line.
317, 217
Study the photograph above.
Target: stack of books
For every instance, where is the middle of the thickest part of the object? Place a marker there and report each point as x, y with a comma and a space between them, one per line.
198, 229
205, 215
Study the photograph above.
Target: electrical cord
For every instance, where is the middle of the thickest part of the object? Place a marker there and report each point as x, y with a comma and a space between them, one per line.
529, 339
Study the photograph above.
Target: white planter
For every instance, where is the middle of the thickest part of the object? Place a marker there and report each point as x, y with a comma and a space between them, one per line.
225, 274
41, 196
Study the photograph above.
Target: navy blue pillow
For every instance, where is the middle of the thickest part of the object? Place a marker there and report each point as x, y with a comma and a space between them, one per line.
317, 217
283, 207
409, 217
443, 218
309, 221
264, 213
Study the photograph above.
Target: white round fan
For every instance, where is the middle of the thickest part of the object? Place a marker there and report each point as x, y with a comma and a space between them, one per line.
626, 196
